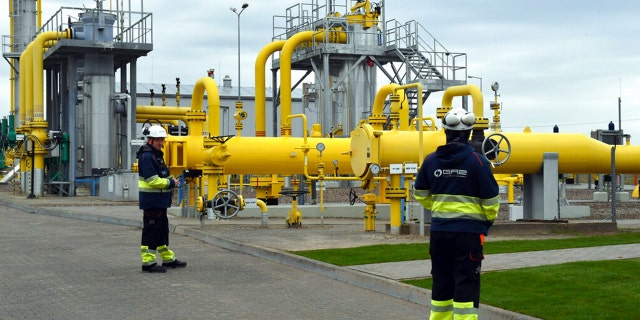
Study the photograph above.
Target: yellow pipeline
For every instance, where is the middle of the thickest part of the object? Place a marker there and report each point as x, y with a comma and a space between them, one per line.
381, 96
12, 72
213, 103
282, 155
38, 68
162, 113
285, 67
576, 153
261, 99
478, 104
26, 96
164, 110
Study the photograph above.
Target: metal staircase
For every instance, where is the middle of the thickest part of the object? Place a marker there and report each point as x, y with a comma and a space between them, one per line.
423, 59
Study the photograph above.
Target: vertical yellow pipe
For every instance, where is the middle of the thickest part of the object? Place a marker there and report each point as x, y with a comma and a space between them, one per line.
38, 69
12, 72
469, 89
38, 13
285, 68
28, 102
213, 102
381, 96
261, 99
394, 206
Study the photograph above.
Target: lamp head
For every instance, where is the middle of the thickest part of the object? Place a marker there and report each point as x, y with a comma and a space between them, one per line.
233, 9
245, 5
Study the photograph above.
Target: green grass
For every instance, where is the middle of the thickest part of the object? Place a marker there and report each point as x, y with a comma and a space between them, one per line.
576, 290
420, 251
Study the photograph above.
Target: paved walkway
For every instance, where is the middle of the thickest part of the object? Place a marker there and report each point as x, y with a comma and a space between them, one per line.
274, 240
506, 261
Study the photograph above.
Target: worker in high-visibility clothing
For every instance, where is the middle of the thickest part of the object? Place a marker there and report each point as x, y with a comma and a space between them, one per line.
155, 193
457, 185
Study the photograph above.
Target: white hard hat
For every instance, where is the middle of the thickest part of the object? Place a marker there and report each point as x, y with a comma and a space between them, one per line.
458, 120
156, 131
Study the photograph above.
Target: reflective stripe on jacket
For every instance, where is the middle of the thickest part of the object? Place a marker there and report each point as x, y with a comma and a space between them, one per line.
154, 184
457, 185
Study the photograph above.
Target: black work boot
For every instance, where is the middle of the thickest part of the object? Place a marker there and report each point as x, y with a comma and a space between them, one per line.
153, 268
175, 264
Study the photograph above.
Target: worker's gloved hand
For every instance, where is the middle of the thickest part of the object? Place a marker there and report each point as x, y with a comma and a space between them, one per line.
176, 183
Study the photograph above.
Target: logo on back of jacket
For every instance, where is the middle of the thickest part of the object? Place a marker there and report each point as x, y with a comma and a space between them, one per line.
450, 173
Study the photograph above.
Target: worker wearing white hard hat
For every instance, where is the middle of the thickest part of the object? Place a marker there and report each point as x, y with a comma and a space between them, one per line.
457, 185
155, 193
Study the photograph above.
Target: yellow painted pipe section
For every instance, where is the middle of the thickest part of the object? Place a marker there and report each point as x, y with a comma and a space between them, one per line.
213, 103
381, 96
261, 99
259, 155
285, 66
464, 90
26, 87
172, 120
576, 153
38, 69
164, 110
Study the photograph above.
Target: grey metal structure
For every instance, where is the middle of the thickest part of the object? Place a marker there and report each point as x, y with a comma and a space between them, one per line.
345, 81
81, 98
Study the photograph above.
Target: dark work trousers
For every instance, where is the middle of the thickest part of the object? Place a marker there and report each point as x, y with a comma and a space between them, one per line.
155, 228
456, 258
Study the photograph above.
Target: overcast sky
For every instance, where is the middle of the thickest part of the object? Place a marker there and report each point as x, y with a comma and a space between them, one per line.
557, 62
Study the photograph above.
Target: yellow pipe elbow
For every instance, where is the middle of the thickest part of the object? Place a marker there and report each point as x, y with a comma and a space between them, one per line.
469, 89
213, 99
262, 205
38, 68
285, 63
261, 99
381, 96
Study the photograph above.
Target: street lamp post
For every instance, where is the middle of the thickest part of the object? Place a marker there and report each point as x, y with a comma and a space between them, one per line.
479, 78
244, 6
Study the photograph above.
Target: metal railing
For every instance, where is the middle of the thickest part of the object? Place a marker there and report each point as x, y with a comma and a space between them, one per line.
129, 26
413, 36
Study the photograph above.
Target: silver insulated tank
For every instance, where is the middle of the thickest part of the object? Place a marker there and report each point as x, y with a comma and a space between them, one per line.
353, 86
98, 79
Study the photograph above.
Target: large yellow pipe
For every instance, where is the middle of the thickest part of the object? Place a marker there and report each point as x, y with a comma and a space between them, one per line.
213, 103
576, 153
38, 69
262, 155
282, 155
26, 86
164, 110
469, 89
261, 99
285, 67
381, 97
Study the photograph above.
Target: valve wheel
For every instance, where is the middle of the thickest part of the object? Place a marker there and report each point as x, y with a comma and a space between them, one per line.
353, 196
226, 204
496, 151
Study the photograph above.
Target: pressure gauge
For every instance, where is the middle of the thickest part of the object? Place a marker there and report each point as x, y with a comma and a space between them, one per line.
320, 147
374, 168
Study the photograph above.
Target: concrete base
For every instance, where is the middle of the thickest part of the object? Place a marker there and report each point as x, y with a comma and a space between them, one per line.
528, 228
330, 211
622, 196
601, 196
516, 212
572, 212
